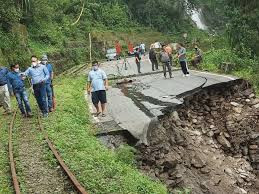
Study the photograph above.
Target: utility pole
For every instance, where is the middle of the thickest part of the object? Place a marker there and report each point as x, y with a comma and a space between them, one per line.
90, 43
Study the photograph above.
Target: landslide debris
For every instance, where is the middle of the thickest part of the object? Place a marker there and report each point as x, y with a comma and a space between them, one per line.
209, 144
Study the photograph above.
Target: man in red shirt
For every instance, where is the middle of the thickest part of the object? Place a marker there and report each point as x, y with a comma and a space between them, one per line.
118, 48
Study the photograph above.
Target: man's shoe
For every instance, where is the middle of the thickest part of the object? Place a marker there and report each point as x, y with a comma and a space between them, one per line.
29, 115
24, 116
45, 115
187, 75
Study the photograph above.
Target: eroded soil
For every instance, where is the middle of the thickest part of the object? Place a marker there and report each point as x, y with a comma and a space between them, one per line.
209, 144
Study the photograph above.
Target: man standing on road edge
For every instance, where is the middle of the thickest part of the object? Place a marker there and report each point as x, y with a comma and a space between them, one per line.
165, 60
4, 93
182, 59
96, 86
138, 59
152, 58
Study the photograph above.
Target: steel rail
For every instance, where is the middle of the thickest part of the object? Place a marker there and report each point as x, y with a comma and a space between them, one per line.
11, 157
71, 176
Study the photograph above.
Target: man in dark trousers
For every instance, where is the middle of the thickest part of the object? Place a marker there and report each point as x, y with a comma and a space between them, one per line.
97, 84
49, 86
16, 80
165, 60
4, 93
39, 74
138, 59
153, 59
182, 59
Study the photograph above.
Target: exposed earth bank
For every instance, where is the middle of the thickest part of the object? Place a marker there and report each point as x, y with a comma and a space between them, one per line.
209, 144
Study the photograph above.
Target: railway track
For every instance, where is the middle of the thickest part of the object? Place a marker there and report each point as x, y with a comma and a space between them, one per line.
76, 184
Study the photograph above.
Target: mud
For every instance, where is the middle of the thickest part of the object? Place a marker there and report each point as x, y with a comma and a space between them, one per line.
209, 144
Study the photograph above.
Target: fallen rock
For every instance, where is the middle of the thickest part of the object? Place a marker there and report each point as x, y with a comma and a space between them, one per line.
205, 170
197, 162
256, 106
253, 147
251, 95
234, 104
237, 110
240, 191
228, 171
210, 133
223, 141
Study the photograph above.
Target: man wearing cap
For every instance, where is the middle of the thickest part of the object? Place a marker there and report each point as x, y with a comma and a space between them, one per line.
49, 87
4, 93
97, 85
39, 75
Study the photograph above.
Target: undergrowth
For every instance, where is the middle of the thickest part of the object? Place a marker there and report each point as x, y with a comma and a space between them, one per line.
97, 168
5, 178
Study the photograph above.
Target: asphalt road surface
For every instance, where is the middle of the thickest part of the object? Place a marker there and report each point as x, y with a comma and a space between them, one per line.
135, 106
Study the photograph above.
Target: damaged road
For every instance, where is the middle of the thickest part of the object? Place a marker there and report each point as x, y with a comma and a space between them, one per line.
136, 106
199, 132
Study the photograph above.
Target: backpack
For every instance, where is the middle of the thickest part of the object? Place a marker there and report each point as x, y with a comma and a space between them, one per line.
164, 57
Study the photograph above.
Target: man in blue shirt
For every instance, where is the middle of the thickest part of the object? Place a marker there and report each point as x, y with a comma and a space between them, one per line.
17, 83
98, 84
4, 93
39, 74
49, 87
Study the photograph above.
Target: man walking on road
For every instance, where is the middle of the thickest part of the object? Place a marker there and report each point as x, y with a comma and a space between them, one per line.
4, 93
97, 86
138, 59
182, 59
39, 75
165, 60
142, 47
17, 83
49, 86
153, 59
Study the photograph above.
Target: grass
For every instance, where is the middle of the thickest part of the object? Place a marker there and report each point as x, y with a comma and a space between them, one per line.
97, 168
5, 178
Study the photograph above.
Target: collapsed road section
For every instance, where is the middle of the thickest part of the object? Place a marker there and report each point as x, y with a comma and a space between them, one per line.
209, 144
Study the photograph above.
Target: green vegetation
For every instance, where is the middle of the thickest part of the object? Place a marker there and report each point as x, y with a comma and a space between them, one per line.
97, 168
5, 178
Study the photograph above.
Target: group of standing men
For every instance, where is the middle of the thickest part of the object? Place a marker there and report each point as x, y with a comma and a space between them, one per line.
41, 76
166, 59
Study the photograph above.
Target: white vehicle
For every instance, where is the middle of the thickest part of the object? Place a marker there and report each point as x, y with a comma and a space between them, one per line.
111, 54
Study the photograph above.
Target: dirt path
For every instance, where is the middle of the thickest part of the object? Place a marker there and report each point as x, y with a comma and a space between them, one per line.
37, 170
